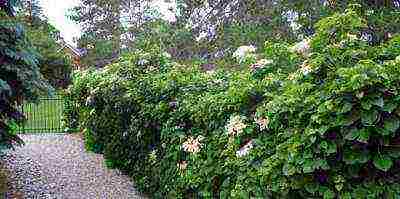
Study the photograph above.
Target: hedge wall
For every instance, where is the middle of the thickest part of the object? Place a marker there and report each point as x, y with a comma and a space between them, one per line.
316, 119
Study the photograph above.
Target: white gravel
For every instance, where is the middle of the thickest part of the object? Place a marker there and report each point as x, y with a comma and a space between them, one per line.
57, 166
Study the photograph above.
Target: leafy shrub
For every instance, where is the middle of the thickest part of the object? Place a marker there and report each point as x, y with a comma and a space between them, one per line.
316, 119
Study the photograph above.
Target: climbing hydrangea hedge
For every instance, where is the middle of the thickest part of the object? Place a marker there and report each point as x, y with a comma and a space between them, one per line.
319, 118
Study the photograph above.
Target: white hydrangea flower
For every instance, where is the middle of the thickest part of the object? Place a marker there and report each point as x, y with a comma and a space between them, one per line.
305, 68
166, 54
262, 122
143, 62
90, 46
244, 150
88, 101
235, 125
302, 48
292, 76
261, 64
153, 156
210, 72
244, 52
352, 36
192, 145
182, 165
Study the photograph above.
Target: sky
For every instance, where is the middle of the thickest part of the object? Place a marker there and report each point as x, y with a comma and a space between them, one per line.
56, 11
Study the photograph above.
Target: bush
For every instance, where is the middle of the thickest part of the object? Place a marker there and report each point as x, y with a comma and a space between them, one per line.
318, 119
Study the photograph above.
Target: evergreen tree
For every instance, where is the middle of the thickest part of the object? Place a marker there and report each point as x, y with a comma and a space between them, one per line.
20, 78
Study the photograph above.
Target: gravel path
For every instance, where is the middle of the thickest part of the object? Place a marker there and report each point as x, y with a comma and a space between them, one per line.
57, 166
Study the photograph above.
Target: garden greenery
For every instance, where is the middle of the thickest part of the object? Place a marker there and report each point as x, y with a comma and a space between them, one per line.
20, 77
315, 119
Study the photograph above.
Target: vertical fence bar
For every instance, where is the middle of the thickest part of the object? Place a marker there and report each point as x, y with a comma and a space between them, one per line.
42, 117
50, 102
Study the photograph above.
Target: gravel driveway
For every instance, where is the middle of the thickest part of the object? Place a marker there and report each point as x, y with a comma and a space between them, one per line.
57, 166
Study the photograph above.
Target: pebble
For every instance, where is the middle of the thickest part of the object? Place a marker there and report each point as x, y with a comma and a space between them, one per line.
56, 166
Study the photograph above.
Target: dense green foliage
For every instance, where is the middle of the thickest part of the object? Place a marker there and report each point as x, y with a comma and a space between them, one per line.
210, 30
54, 63
317, 119
19, 75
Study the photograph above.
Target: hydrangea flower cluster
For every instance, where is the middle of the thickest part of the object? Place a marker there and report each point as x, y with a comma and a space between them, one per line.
261, 64
143, 62
352, 36
182, 165
244, 52
235, 125
153, 156
244, 150
262, 122
302, 48
193, 145
305, 68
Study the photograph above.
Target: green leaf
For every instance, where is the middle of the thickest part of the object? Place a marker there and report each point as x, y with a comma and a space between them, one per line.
328, 194
383, 163
391, 124
352, 134
366, 104
378, 102
346, 107
363, 136
369, 117
389, 107
332, 148
324, 145
311, 187
308, 166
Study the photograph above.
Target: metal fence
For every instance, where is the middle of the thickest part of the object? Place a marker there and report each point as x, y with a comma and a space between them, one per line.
44, 116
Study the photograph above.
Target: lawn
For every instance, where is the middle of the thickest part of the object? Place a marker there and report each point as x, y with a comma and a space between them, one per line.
43, 117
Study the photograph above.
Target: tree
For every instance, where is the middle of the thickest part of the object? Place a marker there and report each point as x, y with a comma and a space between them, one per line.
102, 19
54, 64
20, 77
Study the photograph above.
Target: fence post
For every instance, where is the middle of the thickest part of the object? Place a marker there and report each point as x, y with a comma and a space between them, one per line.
23, 124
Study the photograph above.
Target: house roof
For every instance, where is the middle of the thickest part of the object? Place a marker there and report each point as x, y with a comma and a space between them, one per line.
75, 51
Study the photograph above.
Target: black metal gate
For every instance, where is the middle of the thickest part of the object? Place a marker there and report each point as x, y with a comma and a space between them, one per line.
44, 116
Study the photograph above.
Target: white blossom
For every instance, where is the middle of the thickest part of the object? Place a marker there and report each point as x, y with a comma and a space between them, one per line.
182, 165
143, 62
210, 72
292, 76
192, 145
262, 122
153, 155
398, 58
302, 48
261, 64
352, 36
244, 52
201, 36
305, 68
244, 150
88, 101
235, 125
167, 55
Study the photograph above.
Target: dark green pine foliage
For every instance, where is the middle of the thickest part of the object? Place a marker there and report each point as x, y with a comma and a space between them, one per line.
20, 78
